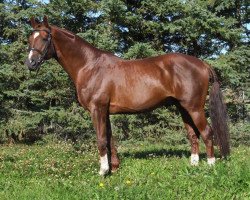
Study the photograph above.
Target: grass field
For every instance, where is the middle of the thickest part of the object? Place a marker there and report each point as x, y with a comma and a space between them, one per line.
149, 170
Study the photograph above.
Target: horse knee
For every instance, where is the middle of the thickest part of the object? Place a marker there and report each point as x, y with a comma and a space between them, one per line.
193, 137
207, 134
102, 145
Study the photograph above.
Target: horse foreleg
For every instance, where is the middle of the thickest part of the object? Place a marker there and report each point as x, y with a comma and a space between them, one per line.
114, 160
207, 136
99, 118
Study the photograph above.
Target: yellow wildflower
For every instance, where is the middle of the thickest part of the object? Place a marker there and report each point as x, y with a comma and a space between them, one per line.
101, 184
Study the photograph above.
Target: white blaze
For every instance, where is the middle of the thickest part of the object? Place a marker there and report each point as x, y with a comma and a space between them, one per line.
104, 168
36, 34
194, 159
30, 55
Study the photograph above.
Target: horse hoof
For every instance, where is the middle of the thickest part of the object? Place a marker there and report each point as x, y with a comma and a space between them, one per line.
211, 161
194, 163
114, 170
103, 171
114, 167
194, 159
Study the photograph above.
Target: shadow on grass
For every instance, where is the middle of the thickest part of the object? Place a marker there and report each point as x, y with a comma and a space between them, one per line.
159, 153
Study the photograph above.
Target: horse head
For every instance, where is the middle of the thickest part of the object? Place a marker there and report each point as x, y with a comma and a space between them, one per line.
40, 44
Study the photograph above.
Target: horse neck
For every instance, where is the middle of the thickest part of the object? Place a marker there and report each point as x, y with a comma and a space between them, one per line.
73, 53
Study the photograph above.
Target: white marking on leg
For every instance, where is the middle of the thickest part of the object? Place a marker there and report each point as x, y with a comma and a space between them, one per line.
211, 161
104, 168
36, 34
194, 159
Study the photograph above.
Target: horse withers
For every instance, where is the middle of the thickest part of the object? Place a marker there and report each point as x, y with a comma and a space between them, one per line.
107, 84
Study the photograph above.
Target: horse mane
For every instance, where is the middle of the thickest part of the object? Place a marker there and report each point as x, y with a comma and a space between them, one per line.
66, 32
73, 36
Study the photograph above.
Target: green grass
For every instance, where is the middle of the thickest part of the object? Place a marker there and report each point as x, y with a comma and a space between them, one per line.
148, 171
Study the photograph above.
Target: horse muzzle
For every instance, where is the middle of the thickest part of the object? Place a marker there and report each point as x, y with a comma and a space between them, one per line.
32, 64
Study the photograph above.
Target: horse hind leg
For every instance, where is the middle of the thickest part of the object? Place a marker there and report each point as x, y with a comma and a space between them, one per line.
194, 141
197, 123
204, 129
192, 136
207, 137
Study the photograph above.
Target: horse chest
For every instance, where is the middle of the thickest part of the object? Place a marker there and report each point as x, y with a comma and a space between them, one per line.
84, 95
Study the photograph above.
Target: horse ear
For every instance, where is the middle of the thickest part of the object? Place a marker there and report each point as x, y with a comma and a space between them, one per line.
33, 22
45, 21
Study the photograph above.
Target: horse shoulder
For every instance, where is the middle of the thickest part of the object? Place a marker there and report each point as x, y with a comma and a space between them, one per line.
93, 87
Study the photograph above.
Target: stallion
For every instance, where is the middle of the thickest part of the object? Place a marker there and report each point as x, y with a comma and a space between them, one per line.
107, 84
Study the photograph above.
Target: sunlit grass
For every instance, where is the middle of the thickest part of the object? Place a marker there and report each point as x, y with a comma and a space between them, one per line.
148, 171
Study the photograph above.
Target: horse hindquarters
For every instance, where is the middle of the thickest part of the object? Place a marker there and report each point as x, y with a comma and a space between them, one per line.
193, 84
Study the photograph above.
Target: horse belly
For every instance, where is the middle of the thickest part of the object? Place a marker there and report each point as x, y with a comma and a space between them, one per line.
137, 99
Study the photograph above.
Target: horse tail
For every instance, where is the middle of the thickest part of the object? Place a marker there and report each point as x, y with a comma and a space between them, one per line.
218, 115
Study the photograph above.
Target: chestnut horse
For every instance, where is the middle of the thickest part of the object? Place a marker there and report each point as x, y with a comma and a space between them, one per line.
107, 84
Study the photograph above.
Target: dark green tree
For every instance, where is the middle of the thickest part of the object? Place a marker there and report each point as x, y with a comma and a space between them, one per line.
217, 31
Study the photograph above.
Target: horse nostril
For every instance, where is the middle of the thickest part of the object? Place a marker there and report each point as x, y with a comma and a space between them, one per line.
33, 62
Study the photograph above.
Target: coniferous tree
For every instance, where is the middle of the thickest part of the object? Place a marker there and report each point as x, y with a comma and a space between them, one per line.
217, 31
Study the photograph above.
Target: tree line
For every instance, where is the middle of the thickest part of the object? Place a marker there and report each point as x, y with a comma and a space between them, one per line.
32, 105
